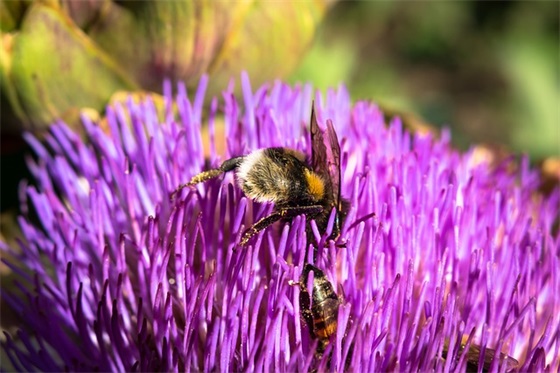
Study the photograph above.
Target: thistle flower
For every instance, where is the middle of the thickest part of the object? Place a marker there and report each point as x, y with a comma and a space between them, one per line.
114, 275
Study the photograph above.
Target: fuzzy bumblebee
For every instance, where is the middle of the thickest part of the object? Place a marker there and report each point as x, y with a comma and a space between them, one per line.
478, 363
283, 176
320, 310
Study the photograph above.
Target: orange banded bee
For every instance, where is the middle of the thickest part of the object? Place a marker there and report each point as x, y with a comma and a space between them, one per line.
285, 177
473, 355
320, 311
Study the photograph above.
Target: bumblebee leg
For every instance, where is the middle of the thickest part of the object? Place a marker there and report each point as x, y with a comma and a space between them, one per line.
203, 176
292, 212
283, 213
227, 166
307, 317
259, 226
305, 307
231, 164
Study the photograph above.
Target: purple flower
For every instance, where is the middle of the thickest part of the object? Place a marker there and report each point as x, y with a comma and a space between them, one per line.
114, 275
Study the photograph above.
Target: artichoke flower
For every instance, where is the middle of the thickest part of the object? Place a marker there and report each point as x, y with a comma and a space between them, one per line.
59, 57
114, 275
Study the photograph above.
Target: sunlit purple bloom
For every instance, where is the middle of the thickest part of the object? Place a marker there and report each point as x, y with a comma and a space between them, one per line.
115, 275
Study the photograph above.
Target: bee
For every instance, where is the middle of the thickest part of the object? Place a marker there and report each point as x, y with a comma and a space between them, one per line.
285, 177
321, 316
473, 354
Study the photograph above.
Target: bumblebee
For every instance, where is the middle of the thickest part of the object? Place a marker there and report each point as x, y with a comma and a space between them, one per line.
473, 354
285, 177
320, 315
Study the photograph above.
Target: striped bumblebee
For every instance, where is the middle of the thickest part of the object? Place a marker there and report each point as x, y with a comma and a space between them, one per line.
320, 311
285, 177
473, 357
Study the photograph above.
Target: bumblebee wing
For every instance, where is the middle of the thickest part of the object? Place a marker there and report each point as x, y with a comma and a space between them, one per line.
334, 163
318, 148
319, 156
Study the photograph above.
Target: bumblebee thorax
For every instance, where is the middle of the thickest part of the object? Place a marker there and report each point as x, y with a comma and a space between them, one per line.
281, 176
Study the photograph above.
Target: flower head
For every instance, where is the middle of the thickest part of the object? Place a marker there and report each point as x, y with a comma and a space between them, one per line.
114, 275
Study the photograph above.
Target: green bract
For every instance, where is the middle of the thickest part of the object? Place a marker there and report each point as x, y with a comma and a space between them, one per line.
61, 56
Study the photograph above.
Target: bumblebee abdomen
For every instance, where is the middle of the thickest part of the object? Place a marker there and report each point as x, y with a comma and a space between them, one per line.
324, 308
325, 318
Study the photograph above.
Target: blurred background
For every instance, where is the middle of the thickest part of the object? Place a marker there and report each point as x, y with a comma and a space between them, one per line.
487, 69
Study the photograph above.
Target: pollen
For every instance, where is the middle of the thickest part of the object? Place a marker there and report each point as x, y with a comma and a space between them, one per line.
316, 185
